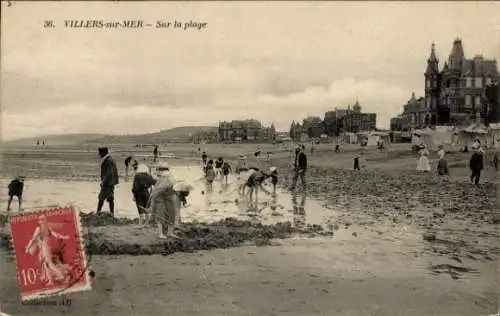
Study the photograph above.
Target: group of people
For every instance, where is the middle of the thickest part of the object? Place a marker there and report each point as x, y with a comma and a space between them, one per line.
158, 198
476, 162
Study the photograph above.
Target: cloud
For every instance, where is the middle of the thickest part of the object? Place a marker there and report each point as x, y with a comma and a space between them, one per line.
275, 63
144, 118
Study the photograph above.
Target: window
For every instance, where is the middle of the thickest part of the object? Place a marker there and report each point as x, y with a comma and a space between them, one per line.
428, 84
488, 81
478, 101
468, 101
428, 102
434, 103
468, 82
478, 82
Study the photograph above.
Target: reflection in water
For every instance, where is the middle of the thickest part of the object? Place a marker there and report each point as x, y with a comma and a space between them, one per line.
299, 212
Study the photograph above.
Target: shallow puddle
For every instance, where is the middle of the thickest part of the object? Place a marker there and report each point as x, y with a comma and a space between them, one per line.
223, 202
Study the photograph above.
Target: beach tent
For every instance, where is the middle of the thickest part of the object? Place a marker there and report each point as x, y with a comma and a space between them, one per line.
423, 137
470, 135
443, 135
349, 138
494, 135
371, 139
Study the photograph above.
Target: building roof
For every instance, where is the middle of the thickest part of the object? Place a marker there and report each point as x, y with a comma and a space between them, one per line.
480, 67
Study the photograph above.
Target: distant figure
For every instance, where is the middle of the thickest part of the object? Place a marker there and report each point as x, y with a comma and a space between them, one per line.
204, 158
495, 161
300, 167
127, 165
109, 179
43, 144
218, 167
476, 166
16, 188
226, 170
337, 148
38, 142
442, 166
141, 187
155, 153
356, 162
423, 161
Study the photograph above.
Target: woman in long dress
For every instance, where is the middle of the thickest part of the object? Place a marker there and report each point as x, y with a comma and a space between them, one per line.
165, 204
423, 161
40, 242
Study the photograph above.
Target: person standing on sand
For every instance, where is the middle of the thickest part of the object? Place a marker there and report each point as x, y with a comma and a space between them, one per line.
300, 168
109, 179
476, 166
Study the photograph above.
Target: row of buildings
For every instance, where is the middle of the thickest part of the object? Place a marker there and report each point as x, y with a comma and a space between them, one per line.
460, 92
245, 130
335, 122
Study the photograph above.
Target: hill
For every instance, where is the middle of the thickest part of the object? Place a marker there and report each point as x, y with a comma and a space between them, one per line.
176, 134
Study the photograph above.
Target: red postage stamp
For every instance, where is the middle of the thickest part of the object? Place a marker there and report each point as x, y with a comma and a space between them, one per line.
50, 253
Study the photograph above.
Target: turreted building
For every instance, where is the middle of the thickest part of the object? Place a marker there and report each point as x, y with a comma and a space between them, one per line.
453, 95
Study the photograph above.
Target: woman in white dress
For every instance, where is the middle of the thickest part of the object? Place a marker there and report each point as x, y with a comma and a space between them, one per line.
40, 242
423, 161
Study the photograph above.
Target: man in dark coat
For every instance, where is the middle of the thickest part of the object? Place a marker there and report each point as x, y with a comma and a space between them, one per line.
300, 167
476, 166
109, 179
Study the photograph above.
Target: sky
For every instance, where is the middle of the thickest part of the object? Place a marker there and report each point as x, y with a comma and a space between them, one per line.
275, 62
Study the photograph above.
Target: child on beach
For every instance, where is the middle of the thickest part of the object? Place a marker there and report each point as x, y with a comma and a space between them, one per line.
274, 178
210, 175
183, 189
16, 188
226, 169
356, 162
218, 167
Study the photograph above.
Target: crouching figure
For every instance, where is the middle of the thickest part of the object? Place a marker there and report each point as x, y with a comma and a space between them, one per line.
165, 203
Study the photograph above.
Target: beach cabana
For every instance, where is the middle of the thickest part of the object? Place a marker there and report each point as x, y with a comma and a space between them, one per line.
493, 137
470, 135
423, 137
372, 139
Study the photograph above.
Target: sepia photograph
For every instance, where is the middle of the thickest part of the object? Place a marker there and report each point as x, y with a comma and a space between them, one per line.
241, 158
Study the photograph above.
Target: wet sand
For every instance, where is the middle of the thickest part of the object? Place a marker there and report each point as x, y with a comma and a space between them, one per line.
396, 250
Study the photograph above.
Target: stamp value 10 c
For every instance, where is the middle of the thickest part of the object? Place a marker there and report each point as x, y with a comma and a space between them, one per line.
50, 253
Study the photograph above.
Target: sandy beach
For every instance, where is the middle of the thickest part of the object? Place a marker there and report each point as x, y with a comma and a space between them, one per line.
384, 241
